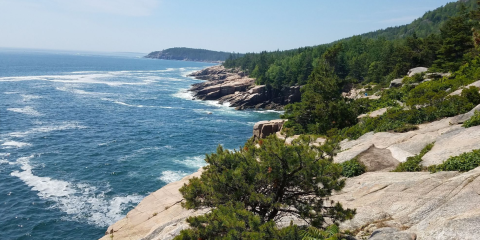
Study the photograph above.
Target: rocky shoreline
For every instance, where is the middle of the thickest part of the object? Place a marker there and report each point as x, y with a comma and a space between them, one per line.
390, 205
237, 88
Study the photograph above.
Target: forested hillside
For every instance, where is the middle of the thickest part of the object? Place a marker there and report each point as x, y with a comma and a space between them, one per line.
251, 189
371, 57
429, 23
191, 54
327, 70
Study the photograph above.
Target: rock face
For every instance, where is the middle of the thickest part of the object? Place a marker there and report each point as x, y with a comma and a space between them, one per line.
266, 128
419, 205
158, 216
416, 70
235, 87
392, 234
450, 138
396, 83
459, 91
436, 206
375, 113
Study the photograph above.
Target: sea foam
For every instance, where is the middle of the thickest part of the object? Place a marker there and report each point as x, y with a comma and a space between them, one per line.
172, 176
26, 110
13, 144
195, 162
81, 202
49, 128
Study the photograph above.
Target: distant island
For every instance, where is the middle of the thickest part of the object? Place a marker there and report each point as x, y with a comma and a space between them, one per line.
192, 54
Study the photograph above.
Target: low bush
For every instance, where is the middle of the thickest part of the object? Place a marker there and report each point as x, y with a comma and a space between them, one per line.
473, 121
463, 163
472, 94
406, 128
413, 79
353, 168
413, 163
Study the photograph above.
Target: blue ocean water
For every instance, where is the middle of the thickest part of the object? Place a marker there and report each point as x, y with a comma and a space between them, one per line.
83, 138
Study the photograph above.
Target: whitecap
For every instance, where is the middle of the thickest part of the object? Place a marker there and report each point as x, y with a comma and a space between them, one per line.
26, 110
172, 176
195, 162
138, 152
12, 144
29, 97
184, 94
82, 202
92, 78
46, 129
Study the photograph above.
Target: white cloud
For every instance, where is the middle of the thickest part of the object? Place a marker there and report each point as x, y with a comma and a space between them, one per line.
117, 7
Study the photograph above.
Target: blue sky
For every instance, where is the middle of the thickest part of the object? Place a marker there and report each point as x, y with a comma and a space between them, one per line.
240, 26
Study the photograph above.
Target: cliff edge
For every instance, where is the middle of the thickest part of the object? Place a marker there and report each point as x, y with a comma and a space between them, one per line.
390, 205
235, 87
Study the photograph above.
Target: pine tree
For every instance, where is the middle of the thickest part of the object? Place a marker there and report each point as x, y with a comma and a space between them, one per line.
262, 182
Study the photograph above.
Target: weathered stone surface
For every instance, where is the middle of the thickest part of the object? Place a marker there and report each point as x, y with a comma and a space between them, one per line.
235, 87
375, 113
392, 234
358, 94
464, 117
453, 144
376, 159
264, 129
440, 206
416, 70
459, 91
158, 214
450, 138
396, 83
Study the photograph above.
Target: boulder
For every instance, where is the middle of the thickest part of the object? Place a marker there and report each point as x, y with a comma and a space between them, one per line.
416, 70
396, 83
264, 129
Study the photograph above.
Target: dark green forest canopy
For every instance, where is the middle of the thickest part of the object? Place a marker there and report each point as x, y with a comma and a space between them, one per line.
429, 23
192, 54
372, 57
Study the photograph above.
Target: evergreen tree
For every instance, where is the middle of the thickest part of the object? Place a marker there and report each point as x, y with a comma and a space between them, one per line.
262, 182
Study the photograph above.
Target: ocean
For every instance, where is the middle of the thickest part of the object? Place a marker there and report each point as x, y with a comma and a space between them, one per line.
85, 137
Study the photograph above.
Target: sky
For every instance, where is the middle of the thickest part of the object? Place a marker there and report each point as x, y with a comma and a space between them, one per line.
222, 25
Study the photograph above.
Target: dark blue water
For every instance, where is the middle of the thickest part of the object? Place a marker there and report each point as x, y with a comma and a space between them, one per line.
84, 138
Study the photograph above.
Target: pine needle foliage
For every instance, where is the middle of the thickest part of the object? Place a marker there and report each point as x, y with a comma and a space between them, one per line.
271, 180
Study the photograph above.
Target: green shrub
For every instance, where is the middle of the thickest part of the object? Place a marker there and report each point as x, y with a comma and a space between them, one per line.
414, 79
473, 121
406, 128
472, 94
463, 163
413, 163
332, 232
353, 168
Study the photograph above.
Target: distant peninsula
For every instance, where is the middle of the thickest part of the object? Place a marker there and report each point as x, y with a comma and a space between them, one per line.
192, 54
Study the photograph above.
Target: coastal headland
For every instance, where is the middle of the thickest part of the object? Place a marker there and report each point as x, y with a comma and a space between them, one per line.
239, 90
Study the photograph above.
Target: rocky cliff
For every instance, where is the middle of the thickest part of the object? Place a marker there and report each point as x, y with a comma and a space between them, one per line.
235, 87
389, 205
